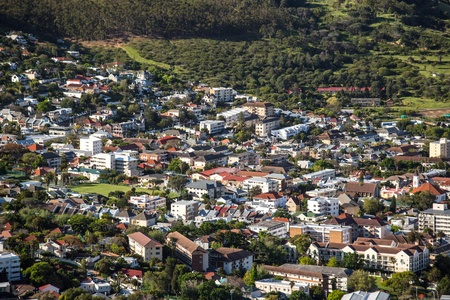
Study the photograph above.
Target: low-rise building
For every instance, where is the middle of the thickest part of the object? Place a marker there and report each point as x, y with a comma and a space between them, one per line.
213, 189
185, 210
265, 126
323, 233
283, 286
188, 252
213, 127
275, 228
324, 205
231, 259
436, 218
324, 174
147, 202
145, 246
288, 132
266, 185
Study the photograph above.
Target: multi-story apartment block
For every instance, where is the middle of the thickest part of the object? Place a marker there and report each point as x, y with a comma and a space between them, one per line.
126, 165
323, 174
329, 278
368, 228
324, 205
147, 202
213, 189
213, 127
232, 116
288, 132
145, 246
323, 233
261, 109
405, 257
244, 158
103, 161
188, 252
266, 185
230, 259
440, 148
222, 94
265, 126
91, 144
272, 199
10, 262
186, 210
275, 228
53, 160
436, 218
155, 155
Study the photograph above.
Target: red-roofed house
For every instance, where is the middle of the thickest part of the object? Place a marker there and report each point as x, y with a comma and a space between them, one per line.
166, 139
37, 148
49, 288
440, 194
130, 273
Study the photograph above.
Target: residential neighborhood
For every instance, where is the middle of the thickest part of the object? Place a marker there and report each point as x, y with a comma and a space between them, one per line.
115, 184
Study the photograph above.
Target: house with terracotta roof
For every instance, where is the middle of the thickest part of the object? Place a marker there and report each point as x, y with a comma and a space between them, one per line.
188, 252
365, 190
440, 194
271, 199
369, 228
230, 258
145, 246
49, 288
37, 148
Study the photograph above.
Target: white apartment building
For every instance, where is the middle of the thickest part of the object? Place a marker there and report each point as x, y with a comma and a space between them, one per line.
230, 259
325, 192
264, 127
126, 164
91, 144
223, 94
11, 263
147, 202
284, 286
96, 286
266, 185
232, 116
145, 246
323, 233
323, 174
103, 161
213, 189
436, 218
213, 127
324, 205
440, 148
275, 228
288, 132
186, 210
408, 257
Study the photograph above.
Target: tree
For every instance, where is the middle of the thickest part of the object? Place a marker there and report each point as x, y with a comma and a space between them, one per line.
333, 262
361, 281
29, 158
49, 177
44, 106
104, 266
39, 162
372, 206
393, 206
400, 282
352, 261
80, 223
178, 166
443, 287
305, 260
39, 273
336, 295
300, 295
74, 293
177, 182
256, 190
316, 292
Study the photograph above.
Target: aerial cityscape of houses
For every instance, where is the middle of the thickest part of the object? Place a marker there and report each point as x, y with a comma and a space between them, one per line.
114, 184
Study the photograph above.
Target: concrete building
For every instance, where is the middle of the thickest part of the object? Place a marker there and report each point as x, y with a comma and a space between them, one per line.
365, 102
186, 210
366, 228
436, 218
324, 205
244, 158
323, 233
265, 126
266, 185
91, 144
232, 116
147, 202
440, 148
288, 132
406, 257
283, 286
126, 164
145, 246
223, 94
53, 160
103, 161
329, 278
230, 259
261, 109
11, 263
213, 189
188, 252
144, 219
275, 228
213, 127
323, 174
360, 295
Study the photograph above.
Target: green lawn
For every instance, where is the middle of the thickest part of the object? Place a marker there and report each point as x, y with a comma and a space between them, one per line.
104, 189
135, 55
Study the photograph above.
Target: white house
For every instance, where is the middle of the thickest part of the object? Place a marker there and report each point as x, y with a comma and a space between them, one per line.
324, 205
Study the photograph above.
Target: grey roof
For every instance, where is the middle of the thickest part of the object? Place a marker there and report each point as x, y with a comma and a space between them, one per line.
144, 217
436, 212
125, 214
204, 184
360, 295
330, 271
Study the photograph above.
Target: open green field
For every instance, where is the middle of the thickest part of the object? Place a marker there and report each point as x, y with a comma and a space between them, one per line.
132, 53
104, 189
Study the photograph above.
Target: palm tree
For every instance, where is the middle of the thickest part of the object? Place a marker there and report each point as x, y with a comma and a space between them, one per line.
48, 177
440, 235
55, 179
65, 178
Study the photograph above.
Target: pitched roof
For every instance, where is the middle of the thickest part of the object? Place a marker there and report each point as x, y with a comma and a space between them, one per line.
233, 254
35, 147
131, 272
358, 188
144, 240
185, 242
428, 187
